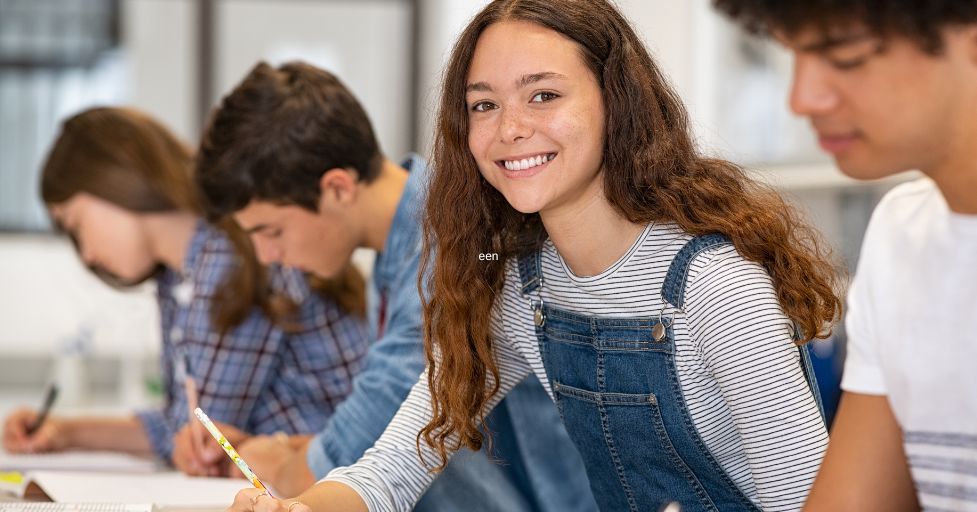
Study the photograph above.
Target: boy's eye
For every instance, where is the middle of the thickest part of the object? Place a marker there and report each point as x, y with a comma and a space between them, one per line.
854, 55
542, 97
483, 106
847, 64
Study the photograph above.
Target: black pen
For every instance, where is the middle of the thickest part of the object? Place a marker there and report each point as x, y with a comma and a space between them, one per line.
52, 394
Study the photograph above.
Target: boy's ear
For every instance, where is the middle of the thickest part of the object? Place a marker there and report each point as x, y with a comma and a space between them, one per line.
971, 31
337, 187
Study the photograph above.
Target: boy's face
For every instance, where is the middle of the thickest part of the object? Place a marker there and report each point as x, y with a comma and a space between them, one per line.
880, 107
320, 243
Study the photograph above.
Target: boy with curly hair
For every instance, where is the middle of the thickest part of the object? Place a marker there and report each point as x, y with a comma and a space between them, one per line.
889, 87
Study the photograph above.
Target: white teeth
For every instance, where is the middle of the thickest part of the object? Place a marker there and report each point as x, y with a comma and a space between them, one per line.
528, 163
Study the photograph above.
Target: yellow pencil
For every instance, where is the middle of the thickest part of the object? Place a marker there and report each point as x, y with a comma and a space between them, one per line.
231, 452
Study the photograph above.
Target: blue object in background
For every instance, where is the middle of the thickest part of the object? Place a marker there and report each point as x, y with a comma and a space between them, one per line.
826, 358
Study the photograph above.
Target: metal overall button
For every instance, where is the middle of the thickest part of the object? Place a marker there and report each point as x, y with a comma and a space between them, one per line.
538, 317
660, 329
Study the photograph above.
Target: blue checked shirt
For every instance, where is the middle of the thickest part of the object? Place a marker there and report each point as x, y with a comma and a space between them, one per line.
257, 377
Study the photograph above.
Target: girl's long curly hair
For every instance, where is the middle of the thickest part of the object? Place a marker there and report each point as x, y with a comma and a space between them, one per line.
652, 172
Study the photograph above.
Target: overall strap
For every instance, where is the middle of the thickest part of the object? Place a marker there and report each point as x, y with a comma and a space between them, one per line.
531, 271
673, 289
673, 292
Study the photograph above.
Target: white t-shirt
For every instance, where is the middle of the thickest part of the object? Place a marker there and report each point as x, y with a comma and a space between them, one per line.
911, 319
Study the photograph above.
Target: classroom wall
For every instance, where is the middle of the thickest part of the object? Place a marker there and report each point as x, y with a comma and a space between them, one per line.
48, 301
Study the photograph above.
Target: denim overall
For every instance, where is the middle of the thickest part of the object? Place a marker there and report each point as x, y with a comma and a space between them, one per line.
618, 393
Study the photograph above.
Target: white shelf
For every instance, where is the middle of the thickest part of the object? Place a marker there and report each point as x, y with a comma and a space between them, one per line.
804, 177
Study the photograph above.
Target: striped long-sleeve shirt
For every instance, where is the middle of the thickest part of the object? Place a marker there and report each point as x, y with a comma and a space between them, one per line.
737, 367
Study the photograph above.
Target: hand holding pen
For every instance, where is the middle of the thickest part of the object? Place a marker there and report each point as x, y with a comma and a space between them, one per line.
192, 453
190, 387
27, 431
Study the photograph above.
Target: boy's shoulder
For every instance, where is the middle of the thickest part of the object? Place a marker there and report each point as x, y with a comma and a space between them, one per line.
906, 199
908, 210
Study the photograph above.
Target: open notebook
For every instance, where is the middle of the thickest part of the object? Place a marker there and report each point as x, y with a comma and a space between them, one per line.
76, 461
72, 507
169, 490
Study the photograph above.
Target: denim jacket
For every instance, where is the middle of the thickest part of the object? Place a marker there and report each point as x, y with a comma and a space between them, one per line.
538, 467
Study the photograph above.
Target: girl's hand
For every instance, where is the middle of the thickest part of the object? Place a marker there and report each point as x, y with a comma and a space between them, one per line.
50, 436
203, 456
256, 500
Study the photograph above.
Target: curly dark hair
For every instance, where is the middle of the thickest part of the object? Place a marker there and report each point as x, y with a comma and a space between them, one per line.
919, 20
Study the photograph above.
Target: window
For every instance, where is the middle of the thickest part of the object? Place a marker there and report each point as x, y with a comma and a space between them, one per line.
56, 57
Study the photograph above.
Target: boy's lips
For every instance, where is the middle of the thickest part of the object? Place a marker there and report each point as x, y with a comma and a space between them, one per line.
835, 144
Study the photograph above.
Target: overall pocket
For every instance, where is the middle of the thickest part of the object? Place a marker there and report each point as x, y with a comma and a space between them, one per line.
623, 439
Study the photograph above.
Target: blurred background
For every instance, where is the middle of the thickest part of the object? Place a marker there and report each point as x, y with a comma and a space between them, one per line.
175, 59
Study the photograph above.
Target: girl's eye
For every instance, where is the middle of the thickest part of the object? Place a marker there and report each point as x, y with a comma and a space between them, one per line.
483, 106
542, 97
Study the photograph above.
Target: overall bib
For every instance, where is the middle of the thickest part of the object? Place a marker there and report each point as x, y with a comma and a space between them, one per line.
617, 390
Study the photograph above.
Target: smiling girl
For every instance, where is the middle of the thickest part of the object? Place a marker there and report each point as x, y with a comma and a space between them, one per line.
653, 291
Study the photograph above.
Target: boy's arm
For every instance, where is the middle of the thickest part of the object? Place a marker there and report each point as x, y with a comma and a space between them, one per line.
865, 466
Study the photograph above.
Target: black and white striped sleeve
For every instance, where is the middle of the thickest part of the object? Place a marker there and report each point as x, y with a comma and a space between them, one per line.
742, 334
390, 476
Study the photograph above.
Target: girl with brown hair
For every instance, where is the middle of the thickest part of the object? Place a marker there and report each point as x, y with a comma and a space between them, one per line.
662, 297
267, 353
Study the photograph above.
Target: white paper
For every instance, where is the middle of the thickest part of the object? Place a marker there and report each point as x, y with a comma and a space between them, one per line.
77, 461
170, 489
72, 507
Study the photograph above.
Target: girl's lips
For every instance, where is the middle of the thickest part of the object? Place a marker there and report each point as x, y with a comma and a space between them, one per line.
525, 173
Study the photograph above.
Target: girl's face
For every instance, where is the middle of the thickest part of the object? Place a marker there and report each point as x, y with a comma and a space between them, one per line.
536, 118
109, 238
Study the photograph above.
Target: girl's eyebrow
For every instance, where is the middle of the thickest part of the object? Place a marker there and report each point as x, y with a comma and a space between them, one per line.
523, 81
538, 77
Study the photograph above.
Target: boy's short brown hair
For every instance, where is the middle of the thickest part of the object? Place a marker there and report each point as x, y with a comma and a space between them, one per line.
277, 133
